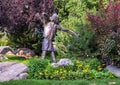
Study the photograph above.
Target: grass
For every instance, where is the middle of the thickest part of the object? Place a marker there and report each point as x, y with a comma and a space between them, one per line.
67, 82
12, 58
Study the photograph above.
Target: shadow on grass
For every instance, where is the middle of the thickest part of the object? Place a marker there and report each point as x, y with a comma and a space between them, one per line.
16, 58
12, 58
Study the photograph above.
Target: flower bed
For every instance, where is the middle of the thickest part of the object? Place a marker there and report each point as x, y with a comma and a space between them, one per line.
66, 69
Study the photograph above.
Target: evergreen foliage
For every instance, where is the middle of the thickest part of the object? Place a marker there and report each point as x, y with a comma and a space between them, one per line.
73, 16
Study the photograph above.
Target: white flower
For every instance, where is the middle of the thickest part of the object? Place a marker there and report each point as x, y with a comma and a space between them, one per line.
65, 62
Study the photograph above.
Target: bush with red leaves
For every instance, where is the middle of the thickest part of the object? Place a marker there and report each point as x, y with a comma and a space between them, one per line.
108, 19
18, 14
106, 25
17, 18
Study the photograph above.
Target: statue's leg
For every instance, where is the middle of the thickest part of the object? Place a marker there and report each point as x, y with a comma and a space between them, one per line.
43, 54
53, 56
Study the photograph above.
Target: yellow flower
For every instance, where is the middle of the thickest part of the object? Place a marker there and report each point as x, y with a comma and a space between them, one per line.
70, 71
40, 73
87, 66
46, 71
51, 77
64, 71
80, 65
61, 72
99, 68
56, 72
85, 70
77, 61
60, 69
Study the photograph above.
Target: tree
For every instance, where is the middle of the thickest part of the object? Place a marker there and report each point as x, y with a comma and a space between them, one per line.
72, 14
17, 18
17, 15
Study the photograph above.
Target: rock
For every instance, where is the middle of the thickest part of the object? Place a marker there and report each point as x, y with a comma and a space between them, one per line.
65, 62
114, 70
12, 71
5, 49
2, 57
25, 52
23, 76
10, 53
62, 62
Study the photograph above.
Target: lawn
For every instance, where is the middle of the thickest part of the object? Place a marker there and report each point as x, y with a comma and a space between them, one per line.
65, 82
13, 58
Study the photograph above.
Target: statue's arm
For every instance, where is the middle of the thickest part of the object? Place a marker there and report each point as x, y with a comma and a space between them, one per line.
68, 31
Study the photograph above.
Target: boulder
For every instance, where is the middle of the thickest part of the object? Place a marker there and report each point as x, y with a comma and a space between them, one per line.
5, 49
10, 53
24, 52
12, 71
65, 62
114, 70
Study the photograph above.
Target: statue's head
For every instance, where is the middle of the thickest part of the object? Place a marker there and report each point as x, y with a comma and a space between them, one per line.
55, 18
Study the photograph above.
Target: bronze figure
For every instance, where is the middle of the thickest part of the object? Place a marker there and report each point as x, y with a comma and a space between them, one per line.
51, 25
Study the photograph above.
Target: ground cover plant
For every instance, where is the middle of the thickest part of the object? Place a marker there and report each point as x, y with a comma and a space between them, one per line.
43, 69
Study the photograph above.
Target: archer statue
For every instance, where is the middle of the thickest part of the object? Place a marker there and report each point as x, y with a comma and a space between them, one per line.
51, 25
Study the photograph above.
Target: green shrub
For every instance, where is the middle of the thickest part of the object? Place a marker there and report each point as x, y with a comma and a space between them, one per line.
26, 39
3, 38
93, 62
3, 42
73, 16
36, 66
93, 74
